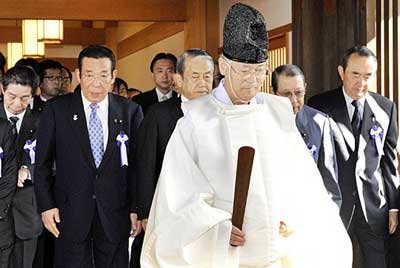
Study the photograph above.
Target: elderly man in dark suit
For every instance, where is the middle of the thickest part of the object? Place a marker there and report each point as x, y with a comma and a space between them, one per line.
19, 84
162, 68
314, 126
90, 204
193, 79
365, 139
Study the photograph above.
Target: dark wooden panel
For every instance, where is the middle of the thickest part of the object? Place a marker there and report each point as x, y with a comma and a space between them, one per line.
379, 45
395, 52
386, 47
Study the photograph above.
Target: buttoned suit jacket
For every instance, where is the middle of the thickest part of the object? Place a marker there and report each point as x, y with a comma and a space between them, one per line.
154, 134
363, 173
315, 129
8, 183
27, 221
79, 188
38, 104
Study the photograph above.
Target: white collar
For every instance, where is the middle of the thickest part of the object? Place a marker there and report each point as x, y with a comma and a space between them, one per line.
103, 105
160, 94
221, 95
20, 115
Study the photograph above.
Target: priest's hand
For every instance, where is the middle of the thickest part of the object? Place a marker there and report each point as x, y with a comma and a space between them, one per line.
50, 219
237, 237
23, 174
136, 225
393, 221
144, 224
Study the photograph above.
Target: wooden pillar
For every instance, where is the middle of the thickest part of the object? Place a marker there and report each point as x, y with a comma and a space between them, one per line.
212, 23
202, 25
111, 36
195, 26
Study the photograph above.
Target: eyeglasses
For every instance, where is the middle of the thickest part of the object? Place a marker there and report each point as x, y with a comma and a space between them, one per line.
65, 78
259, 72
298, 93
53, 78
104, 78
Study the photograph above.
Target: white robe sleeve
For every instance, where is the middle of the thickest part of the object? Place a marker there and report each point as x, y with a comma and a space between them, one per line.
184, 230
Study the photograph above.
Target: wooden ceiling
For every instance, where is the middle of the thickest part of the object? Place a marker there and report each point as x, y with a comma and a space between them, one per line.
128, 10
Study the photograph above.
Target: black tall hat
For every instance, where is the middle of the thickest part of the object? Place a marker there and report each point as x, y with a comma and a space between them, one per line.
245, 35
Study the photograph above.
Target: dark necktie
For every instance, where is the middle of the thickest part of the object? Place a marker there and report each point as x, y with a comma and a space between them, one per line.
13, 121
356, 120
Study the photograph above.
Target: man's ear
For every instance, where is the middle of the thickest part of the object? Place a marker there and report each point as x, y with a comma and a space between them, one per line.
78, 75
114, 75
341, 72
1, 88
223, 66
178, 81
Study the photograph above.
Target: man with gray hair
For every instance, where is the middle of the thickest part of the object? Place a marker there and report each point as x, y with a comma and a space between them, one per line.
314, 126
193, 79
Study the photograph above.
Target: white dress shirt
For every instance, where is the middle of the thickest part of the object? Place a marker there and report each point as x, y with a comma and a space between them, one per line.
350, 107
102, 113
20, 118
161, 96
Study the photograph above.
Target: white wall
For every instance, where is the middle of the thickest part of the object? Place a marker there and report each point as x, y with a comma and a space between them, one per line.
135, 68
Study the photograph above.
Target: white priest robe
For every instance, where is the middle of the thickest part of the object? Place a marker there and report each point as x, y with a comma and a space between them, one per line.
190, 219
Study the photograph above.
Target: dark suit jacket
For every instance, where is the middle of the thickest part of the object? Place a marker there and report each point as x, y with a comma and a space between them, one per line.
79, 188
154, 134
363, 174
8, 183
27, 221
315, 129
146, 99
38, 104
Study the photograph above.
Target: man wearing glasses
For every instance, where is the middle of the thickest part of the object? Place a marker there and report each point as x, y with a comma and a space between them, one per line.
90, 204
314, 126
190, 218
50, 74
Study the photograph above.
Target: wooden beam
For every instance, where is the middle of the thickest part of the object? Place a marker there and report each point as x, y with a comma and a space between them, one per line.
138, 10
112, 37
72, 36
282, 30
148, 36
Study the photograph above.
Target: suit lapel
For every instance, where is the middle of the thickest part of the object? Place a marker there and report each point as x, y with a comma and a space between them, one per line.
3, 111
340, 114
154, 97
176, 112
27, 130
115, 123
77, 119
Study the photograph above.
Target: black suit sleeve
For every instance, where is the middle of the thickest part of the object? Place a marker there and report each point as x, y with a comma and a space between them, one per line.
8, 180
389, 162
146, 157
45, 150
136, 121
